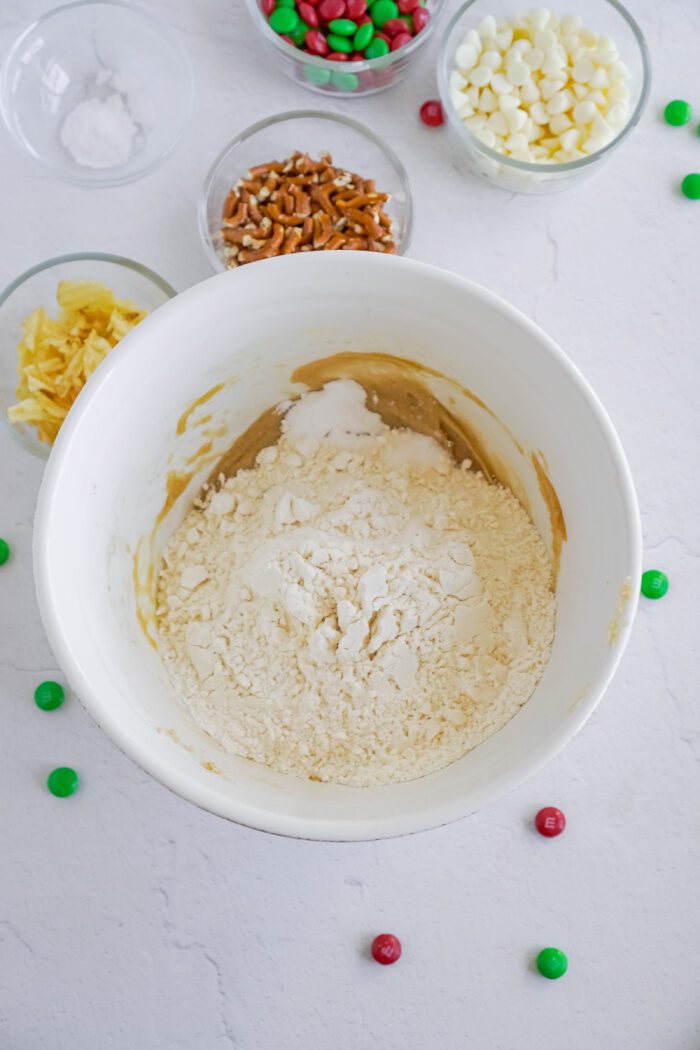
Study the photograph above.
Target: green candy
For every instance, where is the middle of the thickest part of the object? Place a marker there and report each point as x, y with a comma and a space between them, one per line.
382, 10
345, 81
343, 26
408, 20
4, 551
298, 35
655, 582
339, 43
363, 36
691, 187
286, 3
317, 76
552, 963
377, 47
62, 782
49, 695
284, 20
678, 112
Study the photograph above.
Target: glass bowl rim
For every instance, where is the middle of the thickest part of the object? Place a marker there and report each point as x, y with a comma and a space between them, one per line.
280, 118
345, 67
75, 178
107, 257
469, 139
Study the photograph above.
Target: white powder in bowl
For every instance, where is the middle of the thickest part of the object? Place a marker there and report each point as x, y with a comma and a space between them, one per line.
357, 608
99, 133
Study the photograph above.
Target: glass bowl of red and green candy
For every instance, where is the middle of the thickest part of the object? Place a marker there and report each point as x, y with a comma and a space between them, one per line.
345, 47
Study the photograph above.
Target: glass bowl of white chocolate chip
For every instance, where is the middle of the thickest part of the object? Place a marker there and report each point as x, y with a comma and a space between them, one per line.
536, 100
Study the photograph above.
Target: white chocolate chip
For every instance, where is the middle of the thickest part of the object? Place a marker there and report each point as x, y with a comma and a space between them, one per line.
492, 59
481, 76
529, 92
560, 123
487, 28
583, 71
584, 112
487, 101
466, 57
518, 73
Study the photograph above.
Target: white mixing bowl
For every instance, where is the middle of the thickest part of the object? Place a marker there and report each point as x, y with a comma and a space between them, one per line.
237, 338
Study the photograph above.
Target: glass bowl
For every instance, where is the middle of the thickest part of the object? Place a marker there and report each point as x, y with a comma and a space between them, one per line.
351, 145
602, 17
37, 287
347, 79
124, 74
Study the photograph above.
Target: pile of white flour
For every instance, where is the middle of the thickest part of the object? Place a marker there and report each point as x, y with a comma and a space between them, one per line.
356, 608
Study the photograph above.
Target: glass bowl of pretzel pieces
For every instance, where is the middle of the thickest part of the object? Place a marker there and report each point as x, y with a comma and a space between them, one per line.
304, 181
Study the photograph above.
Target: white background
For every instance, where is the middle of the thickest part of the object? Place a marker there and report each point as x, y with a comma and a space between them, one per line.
130, 919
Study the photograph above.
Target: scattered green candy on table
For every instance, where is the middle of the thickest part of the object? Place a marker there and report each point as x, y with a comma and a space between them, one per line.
377, 48
4, 551
552, 963
691, 187
654, 582
678, 112
62, 782
284, 20
49, 695
382, 10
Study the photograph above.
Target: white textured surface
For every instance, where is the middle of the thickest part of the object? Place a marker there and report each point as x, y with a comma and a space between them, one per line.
130, 919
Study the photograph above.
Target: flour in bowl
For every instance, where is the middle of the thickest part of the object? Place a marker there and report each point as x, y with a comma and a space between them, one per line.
356, 607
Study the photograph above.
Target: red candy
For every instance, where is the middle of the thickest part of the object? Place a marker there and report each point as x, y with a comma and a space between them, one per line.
421, 17
267, 7
316, 42
384, 37
550, 822
338, 56
308, 13
355, 9
288, 40
357, 56
330, 9
431, 113
386, 949
394, 26
400, 41
363, 19
407, 6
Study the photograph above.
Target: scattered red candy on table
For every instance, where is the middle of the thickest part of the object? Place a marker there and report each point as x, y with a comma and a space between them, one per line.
550, 822
386, 949
431, 113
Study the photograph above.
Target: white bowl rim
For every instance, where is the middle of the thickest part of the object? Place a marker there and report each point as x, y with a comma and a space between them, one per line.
94, 180
205, 796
